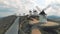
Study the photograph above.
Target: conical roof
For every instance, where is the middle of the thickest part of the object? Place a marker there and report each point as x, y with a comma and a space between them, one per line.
42, 13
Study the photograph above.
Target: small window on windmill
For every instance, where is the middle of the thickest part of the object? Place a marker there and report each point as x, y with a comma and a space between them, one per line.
42, 17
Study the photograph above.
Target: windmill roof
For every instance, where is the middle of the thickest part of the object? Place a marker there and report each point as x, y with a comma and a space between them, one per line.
42, 13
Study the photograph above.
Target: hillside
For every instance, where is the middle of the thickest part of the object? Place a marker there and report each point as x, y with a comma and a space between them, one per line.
54, 18
6, 22
47, 28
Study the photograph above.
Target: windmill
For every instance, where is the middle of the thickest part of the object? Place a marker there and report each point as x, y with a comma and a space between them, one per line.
42, 14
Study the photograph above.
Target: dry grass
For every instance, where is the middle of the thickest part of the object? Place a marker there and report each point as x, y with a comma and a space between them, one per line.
34, 21
49, 23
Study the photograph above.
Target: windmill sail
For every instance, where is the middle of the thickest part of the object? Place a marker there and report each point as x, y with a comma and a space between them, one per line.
38, 8
43, 9
47, 7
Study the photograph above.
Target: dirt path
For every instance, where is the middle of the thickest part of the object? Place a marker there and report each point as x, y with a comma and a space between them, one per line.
36, 31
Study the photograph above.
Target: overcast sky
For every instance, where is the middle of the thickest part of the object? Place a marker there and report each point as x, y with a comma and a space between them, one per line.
9, 7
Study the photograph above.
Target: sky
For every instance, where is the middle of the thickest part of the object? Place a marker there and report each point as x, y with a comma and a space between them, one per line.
9, 7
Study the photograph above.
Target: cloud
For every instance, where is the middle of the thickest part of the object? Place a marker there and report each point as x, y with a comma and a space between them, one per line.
6, 10
54, 9
23, 6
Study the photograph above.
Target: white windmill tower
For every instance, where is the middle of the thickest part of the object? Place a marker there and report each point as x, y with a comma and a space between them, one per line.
30, 13
35, 13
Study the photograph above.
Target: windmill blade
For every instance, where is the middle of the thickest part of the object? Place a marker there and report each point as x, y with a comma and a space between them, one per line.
38, 8
47, 7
